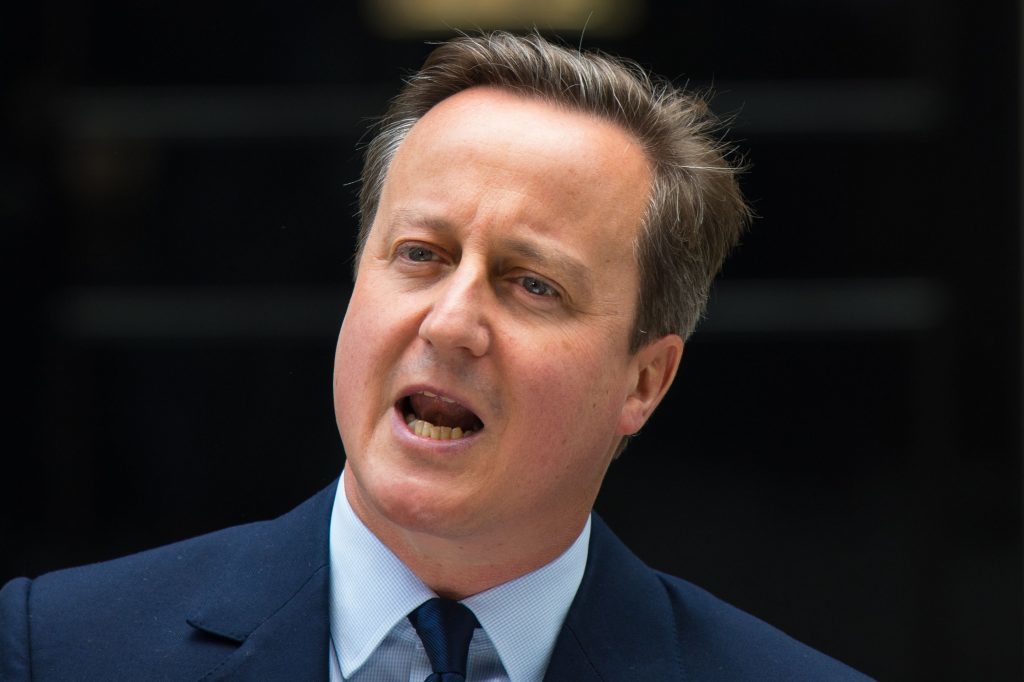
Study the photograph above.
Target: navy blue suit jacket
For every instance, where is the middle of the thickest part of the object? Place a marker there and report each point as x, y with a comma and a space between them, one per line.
251, 603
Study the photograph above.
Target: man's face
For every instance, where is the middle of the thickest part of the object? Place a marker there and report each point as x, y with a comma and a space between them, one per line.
494, 297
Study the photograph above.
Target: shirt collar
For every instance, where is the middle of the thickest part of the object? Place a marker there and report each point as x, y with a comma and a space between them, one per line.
372, 591
524, 616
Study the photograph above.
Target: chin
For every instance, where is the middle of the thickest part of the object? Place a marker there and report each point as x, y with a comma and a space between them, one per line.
415, 505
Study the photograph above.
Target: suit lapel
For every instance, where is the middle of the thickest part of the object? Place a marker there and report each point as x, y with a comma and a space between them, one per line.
620, 625
272, 599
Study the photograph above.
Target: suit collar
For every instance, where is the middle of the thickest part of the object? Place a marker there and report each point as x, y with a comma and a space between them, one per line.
620, 625
272, 597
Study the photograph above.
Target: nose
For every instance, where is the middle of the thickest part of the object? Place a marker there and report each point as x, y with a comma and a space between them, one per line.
456, 319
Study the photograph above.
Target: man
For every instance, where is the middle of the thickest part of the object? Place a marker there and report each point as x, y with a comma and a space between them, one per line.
539, 231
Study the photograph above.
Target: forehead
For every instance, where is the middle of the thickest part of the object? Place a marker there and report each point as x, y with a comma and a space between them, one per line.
493, 119
492, 149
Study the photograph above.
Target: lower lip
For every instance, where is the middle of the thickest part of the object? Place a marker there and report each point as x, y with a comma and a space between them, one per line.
407, 437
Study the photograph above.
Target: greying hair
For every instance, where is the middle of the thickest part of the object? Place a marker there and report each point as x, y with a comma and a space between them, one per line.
695, 212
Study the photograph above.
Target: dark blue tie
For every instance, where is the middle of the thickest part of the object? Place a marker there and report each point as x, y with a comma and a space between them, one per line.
446, 628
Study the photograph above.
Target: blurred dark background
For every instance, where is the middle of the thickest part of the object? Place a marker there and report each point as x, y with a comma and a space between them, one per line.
841, 454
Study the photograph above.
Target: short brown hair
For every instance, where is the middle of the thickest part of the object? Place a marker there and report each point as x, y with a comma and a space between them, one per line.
696, 211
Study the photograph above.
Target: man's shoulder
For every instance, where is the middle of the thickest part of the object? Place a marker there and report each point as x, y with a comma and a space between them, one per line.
635, 619
126, 615
191, 562
116, 618
720, 636
111, 583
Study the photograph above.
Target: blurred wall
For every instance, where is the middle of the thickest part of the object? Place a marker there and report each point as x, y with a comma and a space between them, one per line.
841, 454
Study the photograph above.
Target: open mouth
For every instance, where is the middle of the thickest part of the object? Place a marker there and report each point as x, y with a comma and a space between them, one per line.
434, 416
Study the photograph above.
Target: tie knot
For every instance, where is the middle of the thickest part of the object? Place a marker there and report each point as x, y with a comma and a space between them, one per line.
445, 627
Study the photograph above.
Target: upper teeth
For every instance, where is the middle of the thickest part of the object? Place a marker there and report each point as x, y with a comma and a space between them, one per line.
434, 395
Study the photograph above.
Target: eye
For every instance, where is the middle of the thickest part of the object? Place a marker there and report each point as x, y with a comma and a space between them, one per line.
416, 253
537, 287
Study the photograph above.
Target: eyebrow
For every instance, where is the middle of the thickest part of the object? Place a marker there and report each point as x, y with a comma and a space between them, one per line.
567, 266
405, 217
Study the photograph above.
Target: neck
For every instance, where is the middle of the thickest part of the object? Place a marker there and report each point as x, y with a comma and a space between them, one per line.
459, 569
460, 566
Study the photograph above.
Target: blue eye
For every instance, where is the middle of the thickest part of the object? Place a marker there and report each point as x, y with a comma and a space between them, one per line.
537, 287
417, 254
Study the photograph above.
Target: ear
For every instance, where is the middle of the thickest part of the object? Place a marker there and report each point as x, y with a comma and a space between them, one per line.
654, 369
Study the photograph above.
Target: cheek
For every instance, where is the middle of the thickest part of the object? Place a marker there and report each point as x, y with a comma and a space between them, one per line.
355, 359
349, 382
569, 431
377, 330
571, 399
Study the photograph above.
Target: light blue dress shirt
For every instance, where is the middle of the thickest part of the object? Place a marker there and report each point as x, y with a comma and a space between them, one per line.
372, 592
